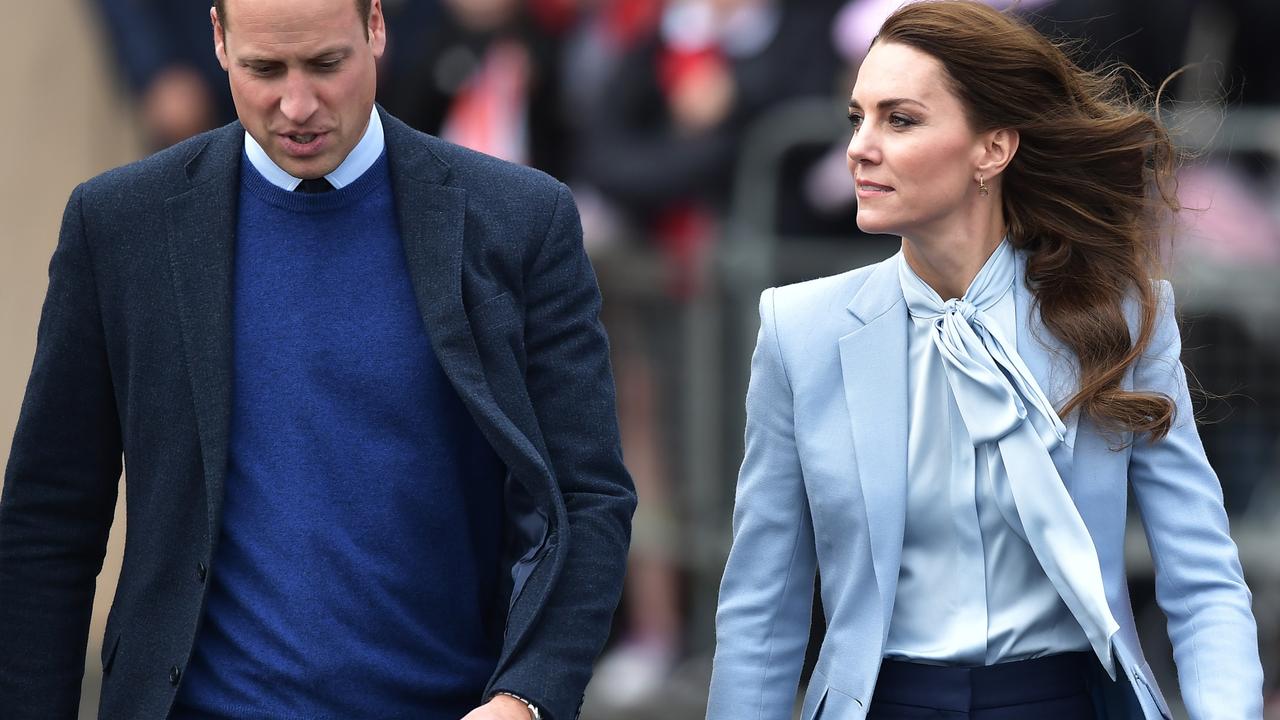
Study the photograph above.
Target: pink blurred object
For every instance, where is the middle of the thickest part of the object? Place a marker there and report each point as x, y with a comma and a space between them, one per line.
1225, 219
490, 114
859, 20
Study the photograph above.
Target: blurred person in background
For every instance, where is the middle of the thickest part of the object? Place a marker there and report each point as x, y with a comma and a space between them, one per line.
484, 74
660, 96
162, 47
660, 137
358, 380
1000, 385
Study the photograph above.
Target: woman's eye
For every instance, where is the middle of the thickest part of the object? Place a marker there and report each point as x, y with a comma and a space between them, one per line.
855, 121
901, 121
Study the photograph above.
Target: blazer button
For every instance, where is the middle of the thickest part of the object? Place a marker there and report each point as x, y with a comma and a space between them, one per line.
201, 571
174, 675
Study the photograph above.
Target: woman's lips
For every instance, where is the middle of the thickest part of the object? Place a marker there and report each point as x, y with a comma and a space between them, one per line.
868, 189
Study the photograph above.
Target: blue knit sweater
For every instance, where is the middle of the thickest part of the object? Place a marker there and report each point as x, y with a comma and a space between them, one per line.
357, 568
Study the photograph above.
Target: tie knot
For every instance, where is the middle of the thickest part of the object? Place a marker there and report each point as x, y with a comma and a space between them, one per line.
314, 185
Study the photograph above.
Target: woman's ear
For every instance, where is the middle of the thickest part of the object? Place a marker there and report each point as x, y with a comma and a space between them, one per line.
998, 148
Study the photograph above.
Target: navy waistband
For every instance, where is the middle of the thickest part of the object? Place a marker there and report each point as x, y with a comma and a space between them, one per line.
947, 687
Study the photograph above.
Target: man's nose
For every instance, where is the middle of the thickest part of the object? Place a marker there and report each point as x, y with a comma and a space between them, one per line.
298, 102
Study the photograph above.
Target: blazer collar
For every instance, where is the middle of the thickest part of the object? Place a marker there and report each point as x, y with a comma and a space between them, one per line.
432, 215
200, 219
410, 154
880, 292
432, 220
873, 362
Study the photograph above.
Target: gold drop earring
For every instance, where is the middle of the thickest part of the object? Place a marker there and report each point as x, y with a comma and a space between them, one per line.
983, 190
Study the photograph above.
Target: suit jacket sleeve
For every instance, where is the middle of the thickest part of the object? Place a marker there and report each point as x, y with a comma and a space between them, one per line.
1199, 582
571, 387
59, 492
766, 596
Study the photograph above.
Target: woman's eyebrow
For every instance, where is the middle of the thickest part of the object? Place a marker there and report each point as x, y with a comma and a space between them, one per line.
889, 103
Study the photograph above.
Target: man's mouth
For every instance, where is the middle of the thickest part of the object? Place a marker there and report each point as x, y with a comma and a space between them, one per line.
303, 144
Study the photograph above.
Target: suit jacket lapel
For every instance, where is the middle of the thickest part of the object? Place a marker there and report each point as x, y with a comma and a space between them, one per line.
432, 217
873, 361
1052, 365
201, 228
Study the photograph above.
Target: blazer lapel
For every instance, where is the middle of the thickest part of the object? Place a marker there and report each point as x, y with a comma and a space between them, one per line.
432, 217
873, 361
201, 229
1053, 366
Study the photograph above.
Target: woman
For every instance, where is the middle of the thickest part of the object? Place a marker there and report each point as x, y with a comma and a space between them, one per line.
950, 435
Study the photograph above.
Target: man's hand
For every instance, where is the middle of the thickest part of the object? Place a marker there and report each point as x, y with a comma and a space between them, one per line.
501, 707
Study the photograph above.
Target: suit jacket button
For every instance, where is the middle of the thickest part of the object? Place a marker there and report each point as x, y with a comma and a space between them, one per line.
174, 675
201, 571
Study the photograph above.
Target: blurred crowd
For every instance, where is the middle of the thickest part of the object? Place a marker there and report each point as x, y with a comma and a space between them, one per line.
644, 107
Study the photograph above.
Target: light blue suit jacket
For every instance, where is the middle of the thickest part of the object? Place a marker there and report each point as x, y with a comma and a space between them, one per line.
823, 486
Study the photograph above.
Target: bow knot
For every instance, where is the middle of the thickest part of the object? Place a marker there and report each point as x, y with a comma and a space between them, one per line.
961, 307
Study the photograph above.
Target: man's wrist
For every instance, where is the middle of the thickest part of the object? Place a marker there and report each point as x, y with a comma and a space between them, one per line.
534, 712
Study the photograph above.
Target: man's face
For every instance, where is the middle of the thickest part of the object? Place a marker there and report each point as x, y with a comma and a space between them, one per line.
302, 76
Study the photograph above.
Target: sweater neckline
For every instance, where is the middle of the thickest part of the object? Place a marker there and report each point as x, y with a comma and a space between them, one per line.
302, 202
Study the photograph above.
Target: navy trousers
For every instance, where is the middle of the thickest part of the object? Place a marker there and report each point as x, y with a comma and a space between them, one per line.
1055, 687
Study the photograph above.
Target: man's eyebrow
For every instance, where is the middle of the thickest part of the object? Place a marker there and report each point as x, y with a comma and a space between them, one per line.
339, 51
889, 103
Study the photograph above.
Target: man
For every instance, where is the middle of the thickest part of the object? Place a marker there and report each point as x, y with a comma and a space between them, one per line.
358, 382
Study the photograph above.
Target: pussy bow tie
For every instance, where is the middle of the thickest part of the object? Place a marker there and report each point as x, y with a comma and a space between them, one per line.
1004, 408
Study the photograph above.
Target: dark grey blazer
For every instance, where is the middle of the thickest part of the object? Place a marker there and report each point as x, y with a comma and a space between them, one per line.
132, 362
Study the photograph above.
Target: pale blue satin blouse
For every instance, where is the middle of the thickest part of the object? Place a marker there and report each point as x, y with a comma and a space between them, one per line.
970, 589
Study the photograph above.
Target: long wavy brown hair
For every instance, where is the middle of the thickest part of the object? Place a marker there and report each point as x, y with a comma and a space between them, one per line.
1085, 195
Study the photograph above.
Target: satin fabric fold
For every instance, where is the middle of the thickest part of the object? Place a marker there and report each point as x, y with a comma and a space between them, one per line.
1004, 408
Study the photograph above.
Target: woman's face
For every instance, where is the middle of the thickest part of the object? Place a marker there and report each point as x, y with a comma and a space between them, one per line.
913, 155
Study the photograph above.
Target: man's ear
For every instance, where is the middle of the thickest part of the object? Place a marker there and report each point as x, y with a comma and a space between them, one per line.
219, 38
377, 29
998, 148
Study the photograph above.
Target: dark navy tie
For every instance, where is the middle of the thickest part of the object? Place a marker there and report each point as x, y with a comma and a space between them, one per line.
314, 185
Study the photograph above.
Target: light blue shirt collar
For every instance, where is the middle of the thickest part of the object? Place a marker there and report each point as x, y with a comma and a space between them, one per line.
361, 157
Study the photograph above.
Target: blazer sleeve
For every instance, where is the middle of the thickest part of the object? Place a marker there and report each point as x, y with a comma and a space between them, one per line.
59, 492
1199, 582
766, 595
571, 387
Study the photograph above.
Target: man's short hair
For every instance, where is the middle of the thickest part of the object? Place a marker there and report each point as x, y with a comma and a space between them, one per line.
363, 7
